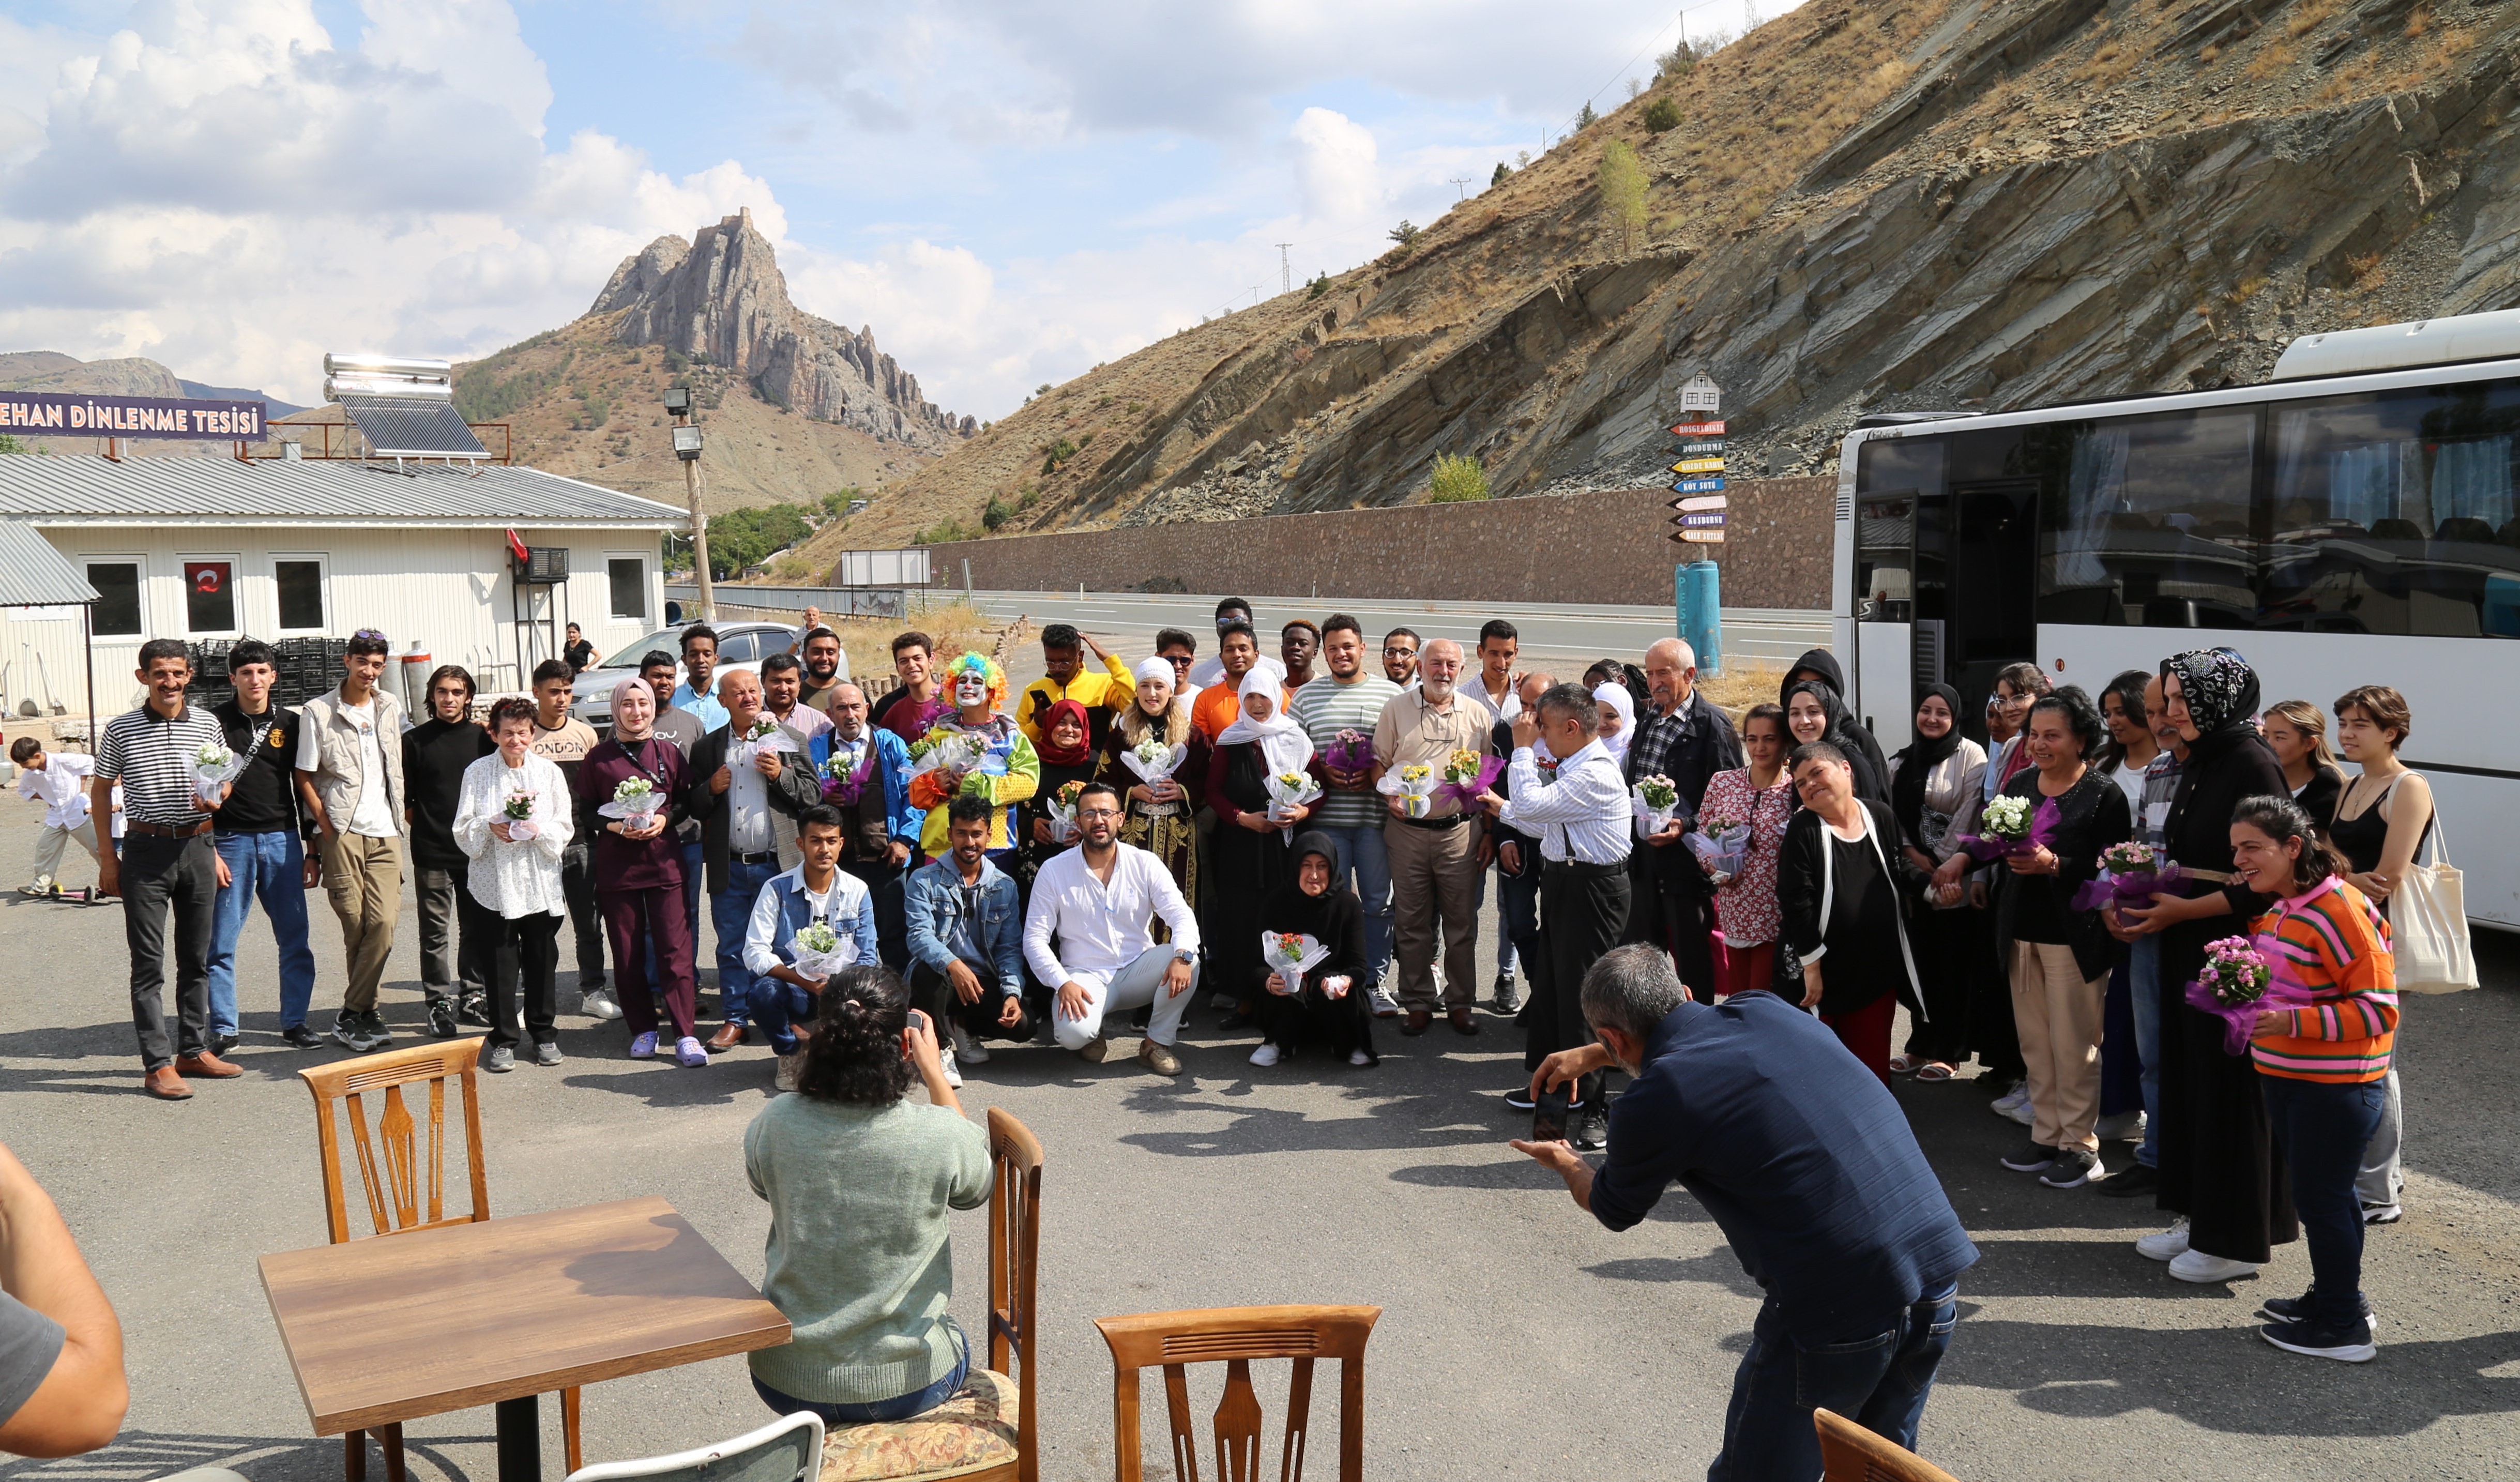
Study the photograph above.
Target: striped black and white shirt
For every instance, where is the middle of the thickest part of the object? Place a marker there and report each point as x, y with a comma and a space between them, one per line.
152, 757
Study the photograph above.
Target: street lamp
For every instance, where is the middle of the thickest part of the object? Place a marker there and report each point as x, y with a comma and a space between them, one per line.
687, 449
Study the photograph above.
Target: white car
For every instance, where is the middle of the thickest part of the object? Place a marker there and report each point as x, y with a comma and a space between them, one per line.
740, 646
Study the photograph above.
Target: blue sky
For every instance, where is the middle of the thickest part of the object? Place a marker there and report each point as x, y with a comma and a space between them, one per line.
1005, 192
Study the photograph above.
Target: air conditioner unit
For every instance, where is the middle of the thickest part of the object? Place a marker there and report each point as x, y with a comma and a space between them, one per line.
543, 565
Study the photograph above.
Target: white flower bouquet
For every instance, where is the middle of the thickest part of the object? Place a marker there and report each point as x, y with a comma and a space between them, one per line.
1723, 844
1415, 786
1154, 761
1061, 808
636, 800
1657, 803
761, 737
821, 950
1290, 955
214, 766
952, 753
1289, 790
519, 813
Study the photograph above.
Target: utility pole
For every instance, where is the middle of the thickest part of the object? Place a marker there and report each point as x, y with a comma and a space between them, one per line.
1285, 268
687, 448
1461, 189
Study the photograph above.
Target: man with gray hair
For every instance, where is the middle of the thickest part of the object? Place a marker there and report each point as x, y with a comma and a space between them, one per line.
1581, 820
1810, 1169
1437, 853
1683, 736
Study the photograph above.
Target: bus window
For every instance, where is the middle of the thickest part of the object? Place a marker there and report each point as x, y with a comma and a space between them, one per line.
2149, 525
1885, 537
2394, 513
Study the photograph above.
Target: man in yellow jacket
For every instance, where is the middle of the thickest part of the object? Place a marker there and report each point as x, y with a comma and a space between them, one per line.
1103, 695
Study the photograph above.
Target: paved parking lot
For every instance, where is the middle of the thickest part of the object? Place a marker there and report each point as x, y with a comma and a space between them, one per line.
1518, 1340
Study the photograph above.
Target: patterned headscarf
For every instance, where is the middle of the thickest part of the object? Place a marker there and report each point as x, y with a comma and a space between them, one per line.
2220, 688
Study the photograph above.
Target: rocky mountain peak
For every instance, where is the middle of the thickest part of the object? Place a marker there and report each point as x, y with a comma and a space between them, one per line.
721, 298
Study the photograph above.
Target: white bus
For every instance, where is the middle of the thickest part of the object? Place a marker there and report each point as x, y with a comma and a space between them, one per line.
2350, 521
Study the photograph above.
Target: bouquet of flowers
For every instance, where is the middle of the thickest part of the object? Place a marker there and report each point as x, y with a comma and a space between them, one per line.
1289, 790
1657, 803
821, 950
2130, 874
847, 769
2237, 982
1467, 775
762, 736
1289, 956
519, 811
2012, 828
1061, 808
1349, 751
1154, 761
948, 759
214, 766
1722, 842
1415, 786
636, 800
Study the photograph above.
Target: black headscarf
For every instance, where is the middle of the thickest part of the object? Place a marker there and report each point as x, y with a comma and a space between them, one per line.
1821, 662
1289, 908
1919, 757
1842, 734
2221, 694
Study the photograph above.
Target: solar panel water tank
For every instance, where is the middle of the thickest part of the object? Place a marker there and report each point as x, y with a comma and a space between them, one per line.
403, 405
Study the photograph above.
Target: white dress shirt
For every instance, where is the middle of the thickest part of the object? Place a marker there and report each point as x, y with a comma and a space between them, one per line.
61, 787
747, 808
1101, 929
515, 880
1584, 816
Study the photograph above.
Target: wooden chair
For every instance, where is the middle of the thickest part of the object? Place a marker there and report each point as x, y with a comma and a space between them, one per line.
989, 1431
1848, 1453
391, 1162
1235, 1337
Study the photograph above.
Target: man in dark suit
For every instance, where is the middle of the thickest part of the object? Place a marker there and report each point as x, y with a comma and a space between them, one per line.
1682, 736
738, 800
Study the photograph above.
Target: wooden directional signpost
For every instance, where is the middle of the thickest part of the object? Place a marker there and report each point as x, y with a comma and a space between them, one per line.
1697, 520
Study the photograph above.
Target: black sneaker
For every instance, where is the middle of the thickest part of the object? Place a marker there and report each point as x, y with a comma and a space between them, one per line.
1591, 1132
2299, 1308
1504, 999
1519, 1098
299, 1037
221, 1044
350, 1032
2348, 1345
475, 1010
373, 1023
2131, 1180
2032, 1157
2072, 1168
2383, 1214
441, 1019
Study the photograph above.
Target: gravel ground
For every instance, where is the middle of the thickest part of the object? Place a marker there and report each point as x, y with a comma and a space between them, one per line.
1517, 1338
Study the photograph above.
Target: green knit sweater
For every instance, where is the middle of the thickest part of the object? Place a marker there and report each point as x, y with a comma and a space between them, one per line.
859, 1259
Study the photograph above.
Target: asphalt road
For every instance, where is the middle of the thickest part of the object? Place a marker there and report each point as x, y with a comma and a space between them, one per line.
1518, 1340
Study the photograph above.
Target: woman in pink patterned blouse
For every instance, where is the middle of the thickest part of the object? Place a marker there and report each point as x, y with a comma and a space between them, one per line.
1760, 794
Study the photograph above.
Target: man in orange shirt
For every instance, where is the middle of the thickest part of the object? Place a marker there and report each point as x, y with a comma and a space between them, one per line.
1238, 647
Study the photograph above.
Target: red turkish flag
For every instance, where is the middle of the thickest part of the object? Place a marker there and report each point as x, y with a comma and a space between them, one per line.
518, 546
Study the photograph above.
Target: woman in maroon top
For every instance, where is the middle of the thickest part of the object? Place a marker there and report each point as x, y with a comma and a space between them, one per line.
639, 872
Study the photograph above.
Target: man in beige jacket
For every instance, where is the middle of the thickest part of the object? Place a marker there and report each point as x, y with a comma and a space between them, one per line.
349, 779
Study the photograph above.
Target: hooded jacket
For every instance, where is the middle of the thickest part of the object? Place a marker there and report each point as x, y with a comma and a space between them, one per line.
1823, 664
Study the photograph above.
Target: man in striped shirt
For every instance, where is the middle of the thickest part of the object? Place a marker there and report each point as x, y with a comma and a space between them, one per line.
167, 862
1351, 699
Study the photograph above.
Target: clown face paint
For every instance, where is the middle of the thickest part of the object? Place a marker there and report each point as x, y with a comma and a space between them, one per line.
971, 689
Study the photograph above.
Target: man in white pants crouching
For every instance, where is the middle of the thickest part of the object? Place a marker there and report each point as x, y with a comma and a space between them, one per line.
1098, 900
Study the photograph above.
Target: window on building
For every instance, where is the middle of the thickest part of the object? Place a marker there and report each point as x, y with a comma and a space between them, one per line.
300, 580
118, 593
210, 597
629, 579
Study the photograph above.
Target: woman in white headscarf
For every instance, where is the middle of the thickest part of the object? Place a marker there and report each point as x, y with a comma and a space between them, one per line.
1248, 852
1618, 719
1159, 815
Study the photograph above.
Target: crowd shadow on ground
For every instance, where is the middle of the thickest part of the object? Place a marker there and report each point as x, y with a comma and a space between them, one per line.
138, 1455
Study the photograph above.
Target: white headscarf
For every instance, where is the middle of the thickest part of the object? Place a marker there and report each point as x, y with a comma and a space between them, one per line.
1156, 667
1617, 697
1282, 742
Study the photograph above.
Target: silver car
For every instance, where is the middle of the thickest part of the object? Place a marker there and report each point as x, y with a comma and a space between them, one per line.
740, 646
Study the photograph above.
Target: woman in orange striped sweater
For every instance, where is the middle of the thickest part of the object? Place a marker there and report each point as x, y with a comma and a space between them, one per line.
2320, 1065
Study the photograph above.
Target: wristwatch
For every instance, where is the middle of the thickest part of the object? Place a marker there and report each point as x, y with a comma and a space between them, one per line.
1185, 956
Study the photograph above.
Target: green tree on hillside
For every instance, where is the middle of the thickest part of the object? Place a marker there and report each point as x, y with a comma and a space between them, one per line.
1457, 479
1623, 192
741, 538
1499, 178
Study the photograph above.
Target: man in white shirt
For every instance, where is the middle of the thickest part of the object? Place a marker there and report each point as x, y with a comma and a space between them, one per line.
1099, 898
349, 782
1584, 822
739, 791
60, 783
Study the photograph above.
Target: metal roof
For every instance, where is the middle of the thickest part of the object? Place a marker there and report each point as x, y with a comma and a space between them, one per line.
32, 574
81, 489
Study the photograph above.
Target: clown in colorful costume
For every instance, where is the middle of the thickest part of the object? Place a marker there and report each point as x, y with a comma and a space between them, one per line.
976, 749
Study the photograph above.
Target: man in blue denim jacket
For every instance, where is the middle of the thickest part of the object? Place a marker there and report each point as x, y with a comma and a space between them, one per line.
817, 890
967, 940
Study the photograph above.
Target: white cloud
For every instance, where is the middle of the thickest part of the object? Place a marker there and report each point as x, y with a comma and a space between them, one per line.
1337, 178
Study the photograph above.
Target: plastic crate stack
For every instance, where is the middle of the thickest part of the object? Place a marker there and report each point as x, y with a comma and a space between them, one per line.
209, 688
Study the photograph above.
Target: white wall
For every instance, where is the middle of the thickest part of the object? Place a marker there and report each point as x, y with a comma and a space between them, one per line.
448, 589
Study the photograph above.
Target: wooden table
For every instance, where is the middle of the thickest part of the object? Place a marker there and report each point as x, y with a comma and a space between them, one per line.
397, 1328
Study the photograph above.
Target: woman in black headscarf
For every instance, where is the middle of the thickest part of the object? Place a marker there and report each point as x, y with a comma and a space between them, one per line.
1330, 1006
2216, 1170
1820, 665
1932, 782
1836, 726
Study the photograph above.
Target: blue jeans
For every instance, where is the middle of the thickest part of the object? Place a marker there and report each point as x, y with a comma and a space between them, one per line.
898, 1408
731, 913
271, 866
2143, 978
1518, 909
1361, 849
1879, 1380
2321, 1130
776, 1007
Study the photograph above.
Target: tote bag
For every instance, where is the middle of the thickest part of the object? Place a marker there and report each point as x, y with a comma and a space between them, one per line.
2428, 925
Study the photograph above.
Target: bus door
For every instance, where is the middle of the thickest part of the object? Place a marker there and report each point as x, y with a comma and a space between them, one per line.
1975, 587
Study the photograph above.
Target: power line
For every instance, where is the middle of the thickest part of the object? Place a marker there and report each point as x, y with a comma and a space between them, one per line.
1461, 188
1285, 268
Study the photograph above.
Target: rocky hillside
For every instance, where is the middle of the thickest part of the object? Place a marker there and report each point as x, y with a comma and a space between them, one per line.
1895, 205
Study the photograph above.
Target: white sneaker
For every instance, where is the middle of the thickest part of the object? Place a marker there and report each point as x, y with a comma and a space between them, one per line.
968, 1050
2198, 1266
2010, 1102
1266, 1054
598, 1002
2169, 1246
2026, 1113
1383, 1005
785, 1078
2124, 1127
1359, 1058
953, 1072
